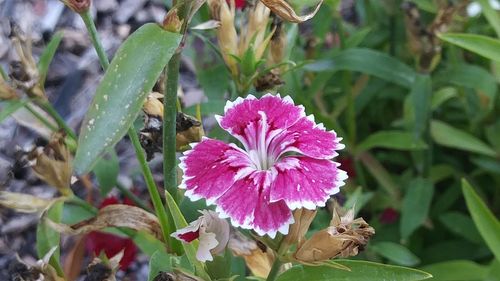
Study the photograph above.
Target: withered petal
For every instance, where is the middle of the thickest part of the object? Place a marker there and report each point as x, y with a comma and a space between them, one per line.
286, 12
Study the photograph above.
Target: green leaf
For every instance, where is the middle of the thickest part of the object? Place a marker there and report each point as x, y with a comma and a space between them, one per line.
120, 95
47, 238
396, 253
47, 56
220, 267
461, 225
180, 222
420, 99
391, 139
458, 270
357, 37
369, 62
214, 81
441, 96
416, 205
106, 171
147, 242
491, 15
448, 136
360, 271
162, 262
472, 77
486, 222
9, 107
482, 45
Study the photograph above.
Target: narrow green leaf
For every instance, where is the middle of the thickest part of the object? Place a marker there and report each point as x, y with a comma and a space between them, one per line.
180, 222
357, 37
396, 253
446, 135
482, 45
441, 96
461, 225
420, 99
360, 271
491, 15
416, 205
10, 107
458, 270
370, 62
121, 93
47, 56
47, 238
106, 171
472, 77
486, 222
391, 139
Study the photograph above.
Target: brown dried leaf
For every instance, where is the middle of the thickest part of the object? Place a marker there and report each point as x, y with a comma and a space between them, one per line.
99, 270
286, 12
117, 215
303, 219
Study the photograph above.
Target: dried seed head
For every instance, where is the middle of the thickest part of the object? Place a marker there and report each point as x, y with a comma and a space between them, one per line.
78, 6
343, 238
268, 81
153, 106
258, 258
52, 163
6, 91
255, 32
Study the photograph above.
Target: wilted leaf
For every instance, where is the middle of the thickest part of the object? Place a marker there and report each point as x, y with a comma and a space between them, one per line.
116, 215
25, 203
286, 12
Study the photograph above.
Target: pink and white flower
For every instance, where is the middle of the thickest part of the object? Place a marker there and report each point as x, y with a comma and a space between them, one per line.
285, 164
212, 232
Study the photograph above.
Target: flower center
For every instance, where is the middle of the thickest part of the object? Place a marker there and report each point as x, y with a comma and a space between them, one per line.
257, 143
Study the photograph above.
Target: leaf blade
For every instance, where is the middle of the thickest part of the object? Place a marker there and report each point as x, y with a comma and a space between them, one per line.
119, 97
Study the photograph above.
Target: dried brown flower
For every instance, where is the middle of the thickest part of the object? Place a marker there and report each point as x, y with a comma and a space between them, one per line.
78, 6
344, 237
286, 12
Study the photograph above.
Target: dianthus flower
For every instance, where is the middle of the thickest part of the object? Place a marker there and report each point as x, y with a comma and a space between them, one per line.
285, 164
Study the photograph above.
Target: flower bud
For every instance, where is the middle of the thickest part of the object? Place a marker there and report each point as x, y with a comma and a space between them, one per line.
343, 238
153, 106
226, 34
52, 164
172, 21
277, 45
78, 6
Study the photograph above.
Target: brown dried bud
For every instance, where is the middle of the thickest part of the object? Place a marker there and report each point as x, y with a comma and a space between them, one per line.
172, 22
153, 106
258, 258
78, 6
343, 238
268, 81
277, 45
286, 12
188, 130
52, 163
6, 91
303, 219
99, 270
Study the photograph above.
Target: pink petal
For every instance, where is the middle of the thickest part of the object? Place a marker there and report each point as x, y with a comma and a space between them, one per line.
281, 113
247, 204
307, 138
304, 182
210, 169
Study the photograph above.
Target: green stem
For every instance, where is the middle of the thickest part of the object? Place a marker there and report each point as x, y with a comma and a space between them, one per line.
47, 106
137, 201
94, 37
169, 124
151, 185
3, 74
40, 117
274, 270
381, 175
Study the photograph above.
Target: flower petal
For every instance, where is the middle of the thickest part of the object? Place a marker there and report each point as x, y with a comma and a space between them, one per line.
207, 243
307, 138
210, 168
304, 182
247, 204
281, 113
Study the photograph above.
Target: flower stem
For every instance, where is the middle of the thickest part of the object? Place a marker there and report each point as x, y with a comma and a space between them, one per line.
274, 270
169, 124
47, 106
40, 117
94, 37
146, 171
151, 185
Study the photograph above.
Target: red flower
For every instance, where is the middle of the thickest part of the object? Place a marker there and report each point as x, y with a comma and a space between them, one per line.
97, 242
389, 216
240, 4
347, 164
